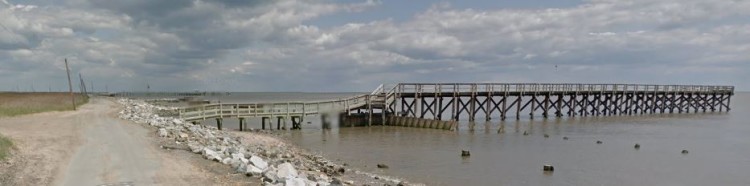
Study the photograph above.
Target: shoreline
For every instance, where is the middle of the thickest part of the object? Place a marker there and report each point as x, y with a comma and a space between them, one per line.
258, 154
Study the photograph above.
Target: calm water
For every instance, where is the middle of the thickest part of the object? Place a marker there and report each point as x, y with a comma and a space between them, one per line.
719, 145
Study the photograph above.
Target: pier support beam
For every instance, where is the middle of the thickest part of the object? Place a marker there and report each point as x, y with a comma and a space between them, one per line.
279, 121
263, 123
218, 123
296, 122
242, 124
324, 121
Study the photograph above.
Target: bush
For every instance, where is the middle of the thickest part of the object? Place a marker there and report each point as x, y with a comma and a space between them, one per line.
5, 147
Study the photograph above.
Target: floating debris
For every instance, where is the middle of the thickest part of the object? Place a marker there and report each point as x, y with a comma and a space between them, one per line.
637, 146
548, 168
684, 151
465, 153
598, 142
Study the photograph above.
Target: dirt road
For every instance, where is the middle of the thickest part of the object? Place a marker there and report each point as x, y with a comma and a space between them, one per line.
92, 146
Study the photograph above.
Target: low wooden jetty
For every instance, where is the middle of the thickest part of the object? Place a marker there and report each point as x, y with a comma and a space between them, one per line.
453, 101
267, 111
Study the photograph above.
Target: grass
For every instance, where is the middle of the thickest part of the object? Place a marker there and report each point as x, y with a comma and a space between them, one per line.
14, 104
5, 146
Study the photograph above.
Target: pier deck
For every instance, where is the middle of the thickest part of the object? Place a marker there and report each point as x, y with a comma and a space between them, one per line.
497, 99
453, 101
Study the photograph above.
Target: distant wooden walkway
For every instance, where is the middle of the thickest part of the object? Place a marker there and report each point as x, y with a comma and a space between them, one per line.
453, 101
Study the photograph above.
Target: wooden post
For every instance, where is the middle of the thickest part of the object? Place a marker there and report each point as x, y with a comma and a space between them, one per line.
278, 122
242, 124
263, 123
438, 102
518, 106
721, 102
473, 101
545, 113
70, 85
369, 111
454, 110
488, 101
218, 123
505, 108
533, 105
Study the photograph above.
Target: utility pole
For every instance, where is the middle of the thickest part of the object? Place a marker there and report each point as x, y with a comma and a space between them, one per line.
83, 85
70, 85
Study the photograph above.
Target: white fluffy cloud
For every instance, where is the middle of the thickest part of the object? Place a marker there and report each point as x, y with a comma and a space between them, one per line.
272, 46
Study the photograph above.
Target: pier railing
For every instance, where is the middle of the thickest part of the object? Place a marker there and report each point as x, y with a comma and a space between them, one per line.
271, 109
529, 87
386, 95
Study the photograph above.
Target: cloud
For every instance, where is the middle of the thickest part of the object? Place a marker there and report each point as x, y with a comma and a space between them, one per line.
263, 45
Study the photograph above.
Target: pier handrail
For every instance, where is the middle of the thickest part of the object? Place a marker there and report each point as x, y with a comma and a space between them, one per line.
377, 90
220, 110
559, 87
386, 95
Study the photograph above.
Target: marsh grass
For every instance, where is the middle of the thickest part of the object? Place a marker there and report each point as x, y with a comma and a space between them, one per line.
5, 147
14, 104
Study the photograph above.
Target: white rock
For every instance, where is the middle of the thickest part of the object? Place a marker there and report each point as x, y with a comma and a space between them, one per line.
226, 161
286, 171
252, 170
177, 121
162, 132
238, 161
195, 147
241, 168
310, 183
270, 175
258, 162
238, 155
211, 155
295, 182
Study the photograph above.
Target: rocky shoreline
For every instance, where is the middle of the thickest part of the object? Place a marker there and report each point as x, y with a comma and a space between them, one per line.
256, 154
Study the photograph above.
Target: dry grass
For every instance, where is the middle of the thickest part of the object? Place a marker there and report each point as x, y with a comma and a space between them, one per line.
5, 146
14, 104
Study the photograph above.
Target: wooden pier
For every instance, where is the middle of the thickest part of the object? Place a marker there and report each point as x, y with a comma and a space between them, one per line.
438, 101
454, 101
267, 111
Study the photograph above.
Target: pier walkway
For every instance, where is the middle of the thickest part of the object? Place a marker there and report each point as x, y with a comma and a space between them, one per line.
453, 101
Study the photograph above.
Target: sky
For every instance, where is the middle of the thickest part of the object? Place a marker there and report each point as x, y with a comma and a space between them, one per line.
356, 45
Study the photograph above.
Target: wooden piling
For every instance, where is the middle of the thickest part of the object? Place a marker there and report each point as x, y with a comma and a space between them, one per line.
242, 124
